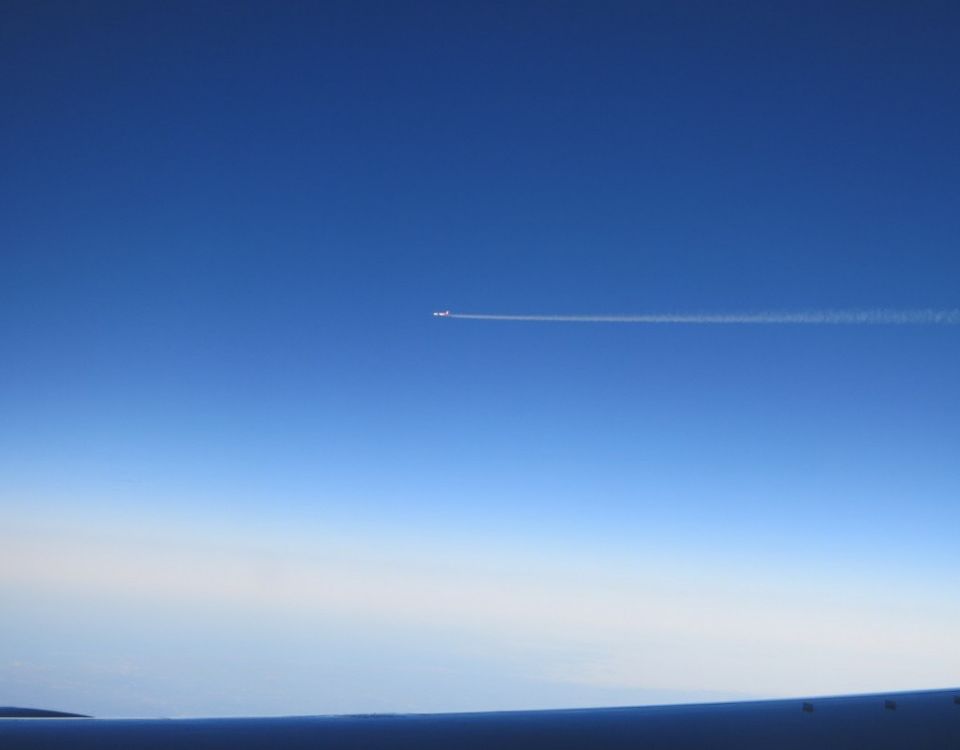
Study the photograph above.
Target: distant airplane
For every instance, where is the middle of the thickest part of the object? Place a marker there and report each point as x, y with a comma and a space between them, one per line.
928, 720
442, 314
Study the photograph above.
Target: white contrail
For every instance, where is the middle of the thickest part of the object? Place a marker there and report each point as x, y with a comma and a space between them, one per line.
816, 317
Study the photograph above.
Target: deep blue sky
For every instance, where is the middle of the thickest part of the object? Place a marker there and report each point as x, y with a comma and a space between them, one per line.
225, 225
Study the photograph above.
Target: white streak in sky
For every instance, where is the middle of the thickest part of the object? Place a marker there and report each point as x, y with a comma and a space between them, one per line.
816, 317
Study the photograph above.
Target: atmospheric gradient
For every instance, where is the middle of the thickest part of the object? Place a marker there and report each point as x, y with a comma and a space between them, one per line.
690, 432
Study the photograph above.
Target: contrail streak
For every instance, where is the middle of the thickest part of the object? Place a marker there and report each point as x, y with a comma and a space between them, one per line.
817, 317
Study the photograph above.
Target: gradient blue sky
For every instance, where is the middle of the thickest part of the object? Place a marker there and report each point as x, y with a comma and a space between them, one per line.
243, 470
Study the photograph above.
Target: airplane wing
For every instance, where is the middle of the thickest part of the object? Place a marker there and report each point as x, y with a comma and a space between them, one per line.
928, 720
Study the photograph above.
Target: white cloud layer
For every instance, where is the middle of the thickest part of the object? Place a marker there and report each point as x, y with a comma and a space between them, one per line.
597, 635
